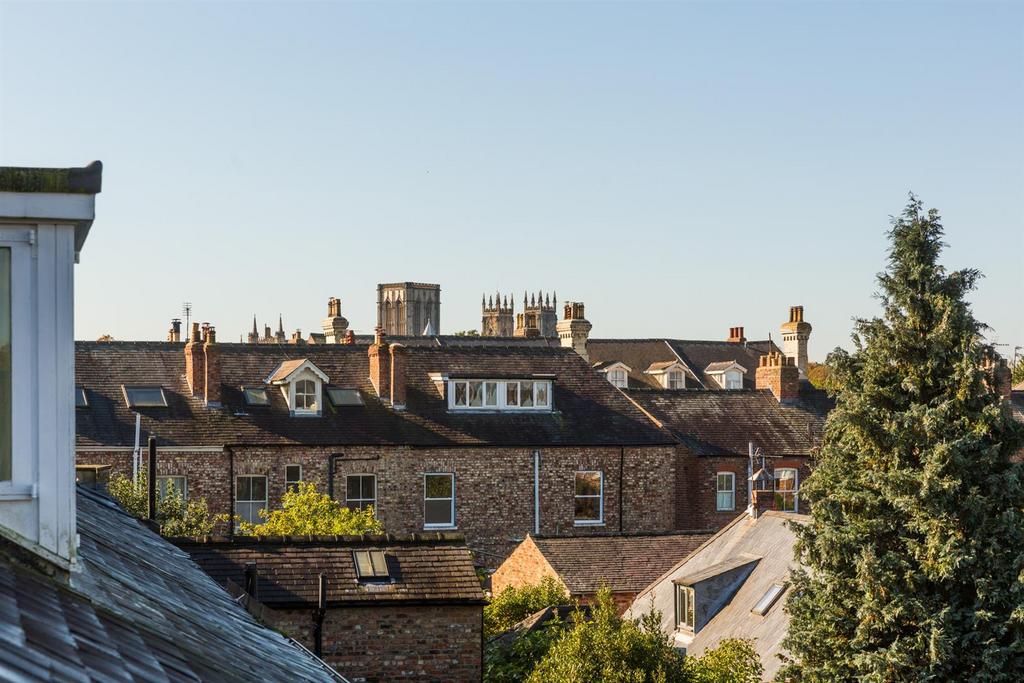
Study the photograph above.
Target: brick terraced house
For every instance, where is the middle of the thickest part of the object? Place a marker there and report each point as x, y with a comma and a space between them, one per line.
493, 441
394, 607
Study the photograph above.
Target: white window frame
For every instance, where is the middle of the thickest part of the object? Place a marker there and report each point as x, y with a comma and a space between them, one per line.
600, 502
161, 485
781, 493
288, 483
361, 501
501, 402
733, 379
293, 394
239, 501
686, 607
719, 491
449, 525
619, 378
23, 324
675, 377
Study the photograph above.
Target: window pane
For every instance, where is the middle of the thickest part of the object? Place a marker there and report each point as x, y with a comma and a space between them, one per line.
5, 364
476, 394
380, 567
588, 508
438, 486
256, 396
725, 500
588, 483
785, 479
293, 472
243, 488
352, 487
491, 397
259, 488
460, 393
369, 486
438, 512
526, 394
512, 394
541, 397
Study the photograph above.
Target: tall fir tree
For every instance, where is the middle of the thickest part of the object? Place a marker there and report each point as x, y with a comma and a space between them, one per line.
911, 564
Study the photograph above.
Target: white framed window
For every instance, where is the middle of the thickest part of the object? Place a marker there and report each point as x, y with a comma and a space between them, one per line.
733, 380
306, 396
769, 598
685, 607
144, 397
492, 394
292, 477
618, 378
176, 481
250, 497
787, 489
361, 491
438, 500
371, 565
588, 498
725, 486
676, 379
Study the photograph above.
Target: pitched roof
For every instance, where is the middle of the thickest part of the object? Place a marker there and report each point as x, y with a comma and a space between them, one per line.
285, 369
695, 355
721, 366
587, 409
725, 422
625, 563
770, 538
436, 568
137, 610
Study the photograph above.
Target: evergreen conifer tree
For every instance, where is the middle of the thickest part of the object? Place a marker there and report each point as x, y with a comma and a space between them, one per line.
912, 561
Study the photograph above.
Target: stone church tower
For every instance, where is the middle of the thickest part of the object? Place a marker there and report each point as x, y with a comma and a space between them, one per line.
539, 318
409, 309
498, 316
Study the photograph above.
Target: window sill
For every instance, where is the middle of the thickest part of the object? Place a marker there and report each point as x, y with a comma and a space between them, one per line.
11, 491
601, 523
439, 527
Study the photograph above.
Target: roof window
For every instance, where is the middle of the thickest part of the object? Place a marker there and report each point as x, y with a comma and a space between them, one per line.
499, 394
344, 397
370, 565
256, 396
81, 400
768, 599
144, 397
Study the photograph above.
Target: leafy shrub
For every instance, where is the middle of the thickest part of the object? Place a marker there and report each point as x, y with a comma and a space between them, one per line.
305, 511
175, 516
513, 604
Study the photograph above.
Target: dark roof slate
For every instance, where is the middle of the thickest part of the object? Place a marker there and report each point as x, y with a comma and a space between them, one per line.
138, 610
625, 563
724, 422
587, 409
426, 568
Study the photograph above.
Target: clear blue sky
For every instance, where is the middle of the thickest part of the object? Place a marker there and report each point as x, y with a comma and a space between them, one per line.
681, 168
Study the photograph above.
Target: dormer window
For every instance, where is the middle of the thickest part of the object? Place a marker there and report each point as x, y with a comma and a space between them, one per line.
144, 397
616, 372
302, 385
499, 394
727, 374
669, 374
685, 607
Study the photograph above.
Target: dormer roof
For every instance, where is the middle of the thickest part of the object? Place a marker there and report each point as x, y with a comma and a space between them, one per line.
722, 366
287, 370
608, 365
662, 367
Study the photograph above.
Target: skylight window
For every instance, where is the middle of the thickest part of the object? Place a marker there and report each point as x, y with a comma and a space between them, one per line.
769, 599
255, 396
344, 397
81, 400
145, 397
370, 565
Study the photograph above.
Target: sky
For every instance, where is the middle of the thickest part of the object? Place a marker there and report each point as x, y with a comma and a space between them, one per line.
682, 168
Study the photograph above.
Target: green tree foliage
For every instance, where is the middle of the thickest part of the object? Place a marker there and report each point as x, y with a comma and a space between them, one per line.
513, 663
1018, 372
817, 374
606, 647
175, 516
514, 604
912, 560
305, 511
467, 333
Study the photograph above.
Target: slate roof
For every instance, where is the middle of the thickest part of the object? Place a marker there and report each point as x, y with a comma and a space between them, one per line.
138, 610
695, 355
724, 422
587, 409
625, 563
769, 538
427, 568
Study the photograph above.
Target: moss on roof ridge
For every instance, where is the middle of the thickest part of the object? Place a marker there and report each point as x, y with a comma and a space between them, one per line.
83, 180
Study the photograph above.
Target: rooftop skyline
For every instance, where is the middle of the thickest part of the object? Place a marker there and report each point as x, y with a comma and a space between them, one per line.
680, 168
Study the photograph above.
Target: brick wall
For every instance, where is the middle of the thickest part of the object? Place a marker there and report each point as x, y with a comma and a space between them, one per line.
395, 642
493, 486
525, 566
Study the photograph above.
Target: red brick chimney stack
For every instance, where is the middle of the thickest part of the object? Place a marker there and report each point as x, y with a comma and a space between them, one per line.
736, 335
780, 374
211, 358
195, 363
380, 364
398, 364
